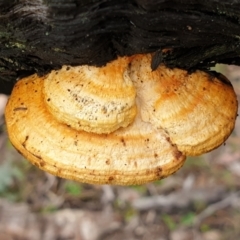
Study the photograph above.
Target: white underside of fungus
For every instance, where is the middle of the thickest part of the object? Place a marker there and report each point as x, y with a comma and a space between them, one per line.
120, 124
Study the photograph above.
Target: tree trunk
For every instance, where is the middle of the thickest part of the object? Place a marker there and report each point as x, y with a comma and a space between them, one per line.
40, 35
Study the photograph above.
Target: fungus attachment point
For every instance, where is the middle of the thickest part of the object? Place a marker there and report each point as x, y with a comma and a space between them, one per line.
92, 99
121, 124
197, 110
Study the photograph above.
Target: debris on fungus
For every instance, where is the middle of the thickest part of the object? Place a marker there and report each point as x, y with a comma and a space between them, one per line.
120, 124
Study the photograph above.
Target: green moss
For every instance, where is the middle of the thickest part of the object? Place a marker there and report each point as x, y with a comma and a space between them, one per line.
73, 188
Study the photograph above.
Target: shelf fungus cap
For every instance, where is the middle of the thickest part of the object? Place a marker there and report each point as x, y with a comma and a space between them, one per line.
198, 110
135, 154
92, 99
120, 124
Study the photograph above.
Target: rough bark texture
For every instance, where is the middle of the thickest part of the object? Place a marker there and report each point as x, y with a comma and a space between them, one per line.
40, 35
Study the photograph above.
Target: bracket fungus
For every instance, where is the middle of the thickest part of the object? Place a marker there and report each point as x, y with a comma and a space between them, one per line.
120, 124
99, 100
198, 110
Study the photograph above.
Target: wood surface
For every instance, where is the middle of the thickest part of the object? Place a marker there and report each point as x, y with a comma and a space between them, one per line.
37, 36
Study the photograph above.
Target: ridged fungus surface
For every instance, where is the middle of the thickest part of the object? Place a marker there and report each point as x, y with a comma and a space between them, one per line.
120, 124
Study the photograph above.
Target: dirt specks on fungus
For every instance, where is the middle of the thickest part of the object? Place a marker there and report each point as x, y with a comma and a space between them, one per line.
123, 142
158, 171
111, 178
20, 109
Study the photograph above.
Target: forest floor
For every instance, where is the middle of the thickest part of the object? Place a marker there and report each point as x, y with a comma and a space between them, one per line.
200, 202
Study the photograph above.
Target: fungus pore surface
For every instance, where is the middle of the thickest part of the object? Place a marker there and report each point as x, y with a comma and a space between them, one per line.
120, 124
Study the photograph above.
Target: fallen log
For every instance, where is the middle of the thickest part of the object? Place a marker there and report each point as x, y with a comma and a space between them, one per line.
38, 36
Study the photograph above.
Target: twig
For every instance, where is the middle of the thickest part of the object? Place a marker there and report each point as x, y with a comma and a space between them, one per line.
211, 209
178, 199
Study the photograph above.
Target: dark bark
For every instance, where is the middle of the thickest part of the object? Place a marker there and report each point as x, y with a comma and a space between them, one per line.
40, 35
